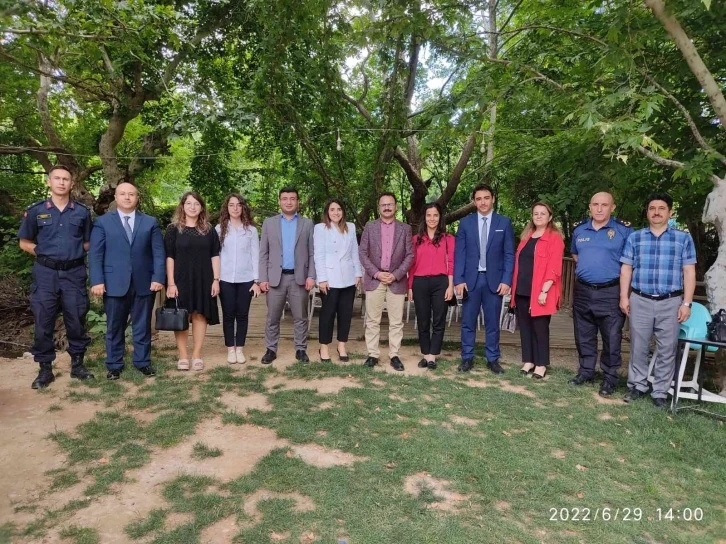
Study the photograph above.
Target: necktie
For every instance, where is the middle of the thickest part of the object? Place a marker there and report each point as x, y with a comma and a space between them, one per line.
483, 246
127, 227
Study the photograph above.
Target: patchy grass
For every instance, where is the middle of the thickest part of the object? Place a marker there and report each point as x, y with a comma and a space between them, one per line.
63, 478
528, 447
202, 451
154, 521
80, 535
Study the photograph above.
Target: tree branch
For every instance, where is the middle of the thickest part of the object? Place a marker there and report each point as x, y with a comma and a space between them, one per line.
686, 114
455, 177
461, 212
692, 58
658, 159
360, 107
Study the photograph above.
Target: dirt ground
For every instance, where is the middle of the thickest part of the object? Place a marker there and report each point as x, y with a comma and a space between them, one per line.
26, 453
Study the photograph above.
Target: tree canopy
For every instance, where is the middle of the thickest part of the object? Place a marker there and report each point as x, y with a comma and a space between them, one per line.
346, 98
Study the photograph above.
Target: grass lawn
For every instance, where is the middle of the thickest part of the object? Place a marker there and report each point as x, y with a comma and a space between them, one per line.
448, 458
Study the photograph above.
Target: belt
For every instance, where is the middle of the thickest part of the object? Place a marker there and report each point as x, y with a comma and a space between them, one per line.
610, 283
59, 265
658, 297
288, 270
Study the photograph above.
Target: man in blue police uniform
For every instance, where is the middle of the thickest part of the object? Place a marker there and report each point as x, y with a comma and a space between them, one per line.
657, 281
597, 244
57, 232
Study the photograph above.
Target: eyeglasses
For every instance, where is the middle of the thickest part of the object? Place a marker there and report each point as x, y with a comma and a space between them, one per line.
391, 205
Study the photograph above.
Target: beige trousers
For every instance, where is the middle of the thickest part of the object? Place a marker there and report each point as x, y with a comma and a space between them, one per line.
375, 301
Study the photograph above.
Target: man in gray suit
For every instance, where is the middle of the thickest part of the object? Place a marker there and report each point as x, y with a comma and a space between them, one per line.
287, 272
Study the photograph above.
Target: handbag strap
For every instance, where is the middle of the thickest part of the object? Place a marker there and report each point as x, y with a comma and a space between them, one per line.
446, 249
176, 303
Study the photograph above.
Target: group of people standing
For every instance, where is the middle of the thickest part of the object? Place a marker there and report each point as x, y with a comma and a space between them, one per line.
648, 275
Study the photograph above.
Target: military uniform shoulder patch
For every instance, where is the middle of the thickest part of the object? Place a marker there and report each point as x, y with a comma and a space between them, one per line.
580, 222
622, 222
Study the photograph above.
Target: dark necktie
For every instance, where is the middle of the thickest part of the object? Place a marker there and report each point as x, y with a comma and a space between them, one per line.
127, 228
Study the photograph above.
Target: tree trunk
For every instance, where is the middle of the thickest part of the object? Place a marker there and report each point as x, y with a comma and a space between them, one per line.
715, 212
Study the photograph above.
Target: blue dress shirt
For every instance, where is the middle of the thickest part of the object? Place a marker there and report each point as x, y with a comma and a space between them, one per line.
288, 227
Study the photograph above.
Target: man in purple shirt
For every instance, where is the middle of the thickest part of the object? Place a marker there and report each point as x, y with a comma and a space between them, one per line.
386, 254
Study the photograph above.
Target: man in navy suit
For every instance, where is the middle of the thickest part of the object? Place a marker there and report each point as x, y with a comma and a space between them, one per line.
483, 266
127, 266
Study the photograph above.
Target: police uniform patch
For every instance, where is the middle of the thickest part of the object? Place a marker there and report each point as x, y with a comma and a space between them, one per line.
611, 234
43, 216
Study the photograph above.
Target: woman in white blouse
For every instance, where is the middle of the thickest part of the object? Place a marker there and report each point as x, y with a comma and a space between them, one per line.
339, 272
239, 257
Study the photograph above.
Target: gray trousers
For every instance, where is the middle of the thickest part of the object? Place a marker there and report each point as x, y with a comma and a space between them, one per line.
648, 318
297, 296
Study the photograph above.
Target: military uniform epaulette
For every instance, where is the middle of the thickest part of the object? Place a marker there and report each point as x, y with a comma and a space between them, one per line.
580, 222
34, 204
82, 204
622, 222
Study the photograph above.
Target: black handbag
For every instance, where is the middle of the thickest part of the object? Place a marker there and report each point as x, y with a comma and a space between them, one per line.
717, 327
172, 319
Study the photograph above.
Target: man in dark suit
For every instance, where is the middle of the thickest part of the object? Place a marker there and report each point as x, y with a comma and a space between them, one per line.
483, 266
127, 266
386, 254
287, 273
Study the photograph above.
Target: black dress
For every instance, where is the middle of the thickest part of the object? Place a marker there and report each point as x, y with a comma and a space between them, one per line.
193, 274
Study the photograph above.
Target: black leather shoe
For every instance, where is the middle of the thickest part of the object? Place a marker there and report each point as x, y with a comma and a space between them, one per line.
423, 363
78, 371
343, 358
268, 357
606, 389
301, 356
396, 364
148, 371
580, 379
371, 362
660, 403
495, 367
633, 394
45, 376
113, 375
431, 365
466, 365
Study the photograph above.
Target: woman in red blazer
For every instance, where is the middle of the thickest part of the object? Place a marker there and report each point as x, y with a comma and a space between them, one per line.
537, 286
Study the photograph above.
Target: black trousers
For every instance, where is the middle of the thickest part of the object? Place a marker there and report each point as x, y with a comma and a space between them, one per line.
428, 297
236, 299
534, 332
338, 302
596, 310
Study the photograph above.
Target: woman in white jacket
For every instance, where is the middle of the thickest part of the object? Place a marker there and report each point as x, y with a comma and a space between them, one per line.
339, 272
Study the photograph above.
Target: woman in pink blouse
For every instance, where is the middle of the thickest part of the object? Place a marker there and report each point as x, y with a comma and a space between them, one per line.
431, 282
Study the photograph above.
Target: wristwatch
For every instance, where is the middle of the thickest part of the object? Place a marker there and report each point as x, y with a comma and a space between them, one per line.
687, 304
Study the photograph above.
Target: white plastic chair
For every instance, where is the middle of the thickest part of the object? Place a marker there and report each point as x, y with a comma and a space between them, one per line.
316, 301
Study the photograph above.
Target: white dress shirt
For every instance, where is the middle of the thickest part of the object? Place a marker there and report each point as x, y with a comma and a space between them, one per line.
336, 256
480, 222
131, 216
240, 254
